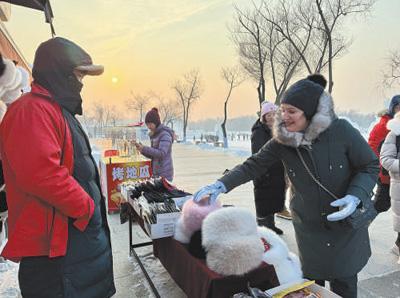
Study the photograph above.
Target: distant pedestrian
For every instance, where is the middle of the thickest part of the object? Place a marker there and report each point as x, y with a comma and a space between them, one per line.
390, 161
376, 138
160, 150
269, 189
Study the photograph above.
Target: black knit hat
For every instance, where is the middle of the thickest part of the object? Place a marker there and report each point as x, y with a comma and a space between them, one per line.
304, 95
318, 78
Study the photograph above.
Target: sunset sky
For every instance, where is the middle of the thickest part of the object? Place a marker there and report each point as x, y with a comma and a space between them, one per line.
148, 44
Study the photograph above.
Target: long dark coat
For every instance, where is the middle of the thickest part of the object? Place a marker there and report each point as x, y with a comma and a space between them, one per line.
88, 264
341, 159
269, 189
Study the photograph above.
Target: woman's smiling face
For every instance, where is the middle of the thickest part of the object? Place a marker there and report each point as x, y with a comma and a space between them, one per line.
293, 118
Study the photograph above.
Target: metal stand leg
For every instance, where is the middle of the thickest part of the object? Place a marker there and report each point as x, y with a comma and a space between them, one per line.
133, 252
153, 288
130, 234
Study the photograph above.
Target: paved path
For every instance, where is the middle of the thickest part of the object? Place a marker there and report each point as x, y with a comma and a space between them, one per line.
193, 169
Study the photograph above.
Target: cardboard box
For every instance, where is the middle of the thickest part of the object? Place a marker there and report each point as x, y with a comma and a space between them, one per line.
165, 222
164, 227
315, 288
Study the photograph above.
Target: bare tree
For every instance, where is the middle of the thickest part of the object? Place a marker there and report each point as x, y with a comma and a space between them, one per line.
102, 115
188, 89
138, 103
247, 35
391, 76
293, 36
168, 108
331, 12
99, 118
169, 111
234, 78
283, 60
111, 115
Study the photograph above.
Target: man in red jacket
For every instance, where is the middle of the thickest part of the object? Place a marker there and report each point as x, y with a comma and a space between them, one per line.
58, 227
376, 138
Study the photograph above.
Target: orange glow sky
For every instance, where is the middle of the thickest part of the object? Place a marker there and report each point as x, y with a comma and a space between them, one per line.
148, 44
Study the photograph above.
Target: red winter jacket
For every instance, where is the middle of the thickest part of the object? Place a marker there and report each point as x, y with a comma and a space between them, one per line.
376, 137
41, 192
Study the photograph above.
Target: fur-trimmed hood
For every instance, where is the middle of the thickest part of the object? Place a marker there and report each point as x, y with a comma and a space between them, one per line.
394, 124
319, 122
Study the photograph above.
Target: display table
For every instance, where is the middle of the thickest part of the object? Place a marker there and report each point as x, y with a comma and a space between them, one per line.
198, 281
193, 276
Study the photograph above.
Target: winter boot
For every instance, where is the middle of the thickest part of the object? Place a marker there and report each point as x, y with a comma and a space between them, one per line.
269, 222
285, 213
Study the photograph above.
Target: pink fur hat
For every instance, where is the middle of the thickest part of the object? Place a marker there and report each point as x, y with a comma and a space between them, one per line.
192, 218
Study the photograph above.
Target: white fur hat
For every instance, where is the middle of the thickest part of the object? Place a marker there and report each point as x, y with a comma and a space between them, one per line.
14, 80
229, 235
3, 110
287, 264
8, 78
11, 95
25, 80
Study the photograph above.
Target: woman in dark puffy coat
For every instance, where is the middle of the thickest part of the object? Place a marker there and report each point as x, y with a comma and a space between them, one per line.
318, 149
269, 189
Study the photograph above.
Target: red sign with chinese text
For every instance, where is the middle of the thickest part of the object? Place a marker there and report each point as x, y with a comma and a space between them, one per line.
117, 171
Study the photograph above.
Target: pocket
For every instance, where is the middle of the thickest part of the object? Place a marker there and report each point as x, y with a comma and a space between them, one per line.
362, 217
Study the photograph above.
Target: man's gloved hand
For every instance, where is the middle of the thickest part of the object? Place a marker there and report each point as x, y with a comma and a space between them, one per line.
347, 205
212, 190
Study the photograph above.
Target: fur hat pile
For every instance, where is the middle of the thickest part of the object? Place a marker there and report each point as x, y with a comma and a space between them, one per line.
235, 245
192, 218
13, 81
231, 240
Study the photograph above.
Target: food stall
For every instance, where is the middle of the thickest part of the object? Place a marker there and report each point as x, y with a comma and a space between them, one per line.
117, 169
122, 162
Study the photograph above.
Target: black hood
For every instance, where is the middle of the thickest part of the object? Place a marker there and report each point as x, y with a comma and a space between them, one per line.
53, 67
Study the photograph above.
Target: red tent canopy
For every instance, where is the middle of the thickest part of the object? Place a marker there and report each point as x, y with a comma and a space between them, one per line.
136, 124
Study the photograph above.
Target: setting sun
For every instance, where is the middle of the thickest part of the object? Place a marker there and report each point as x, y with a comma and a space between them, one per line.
114, 80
